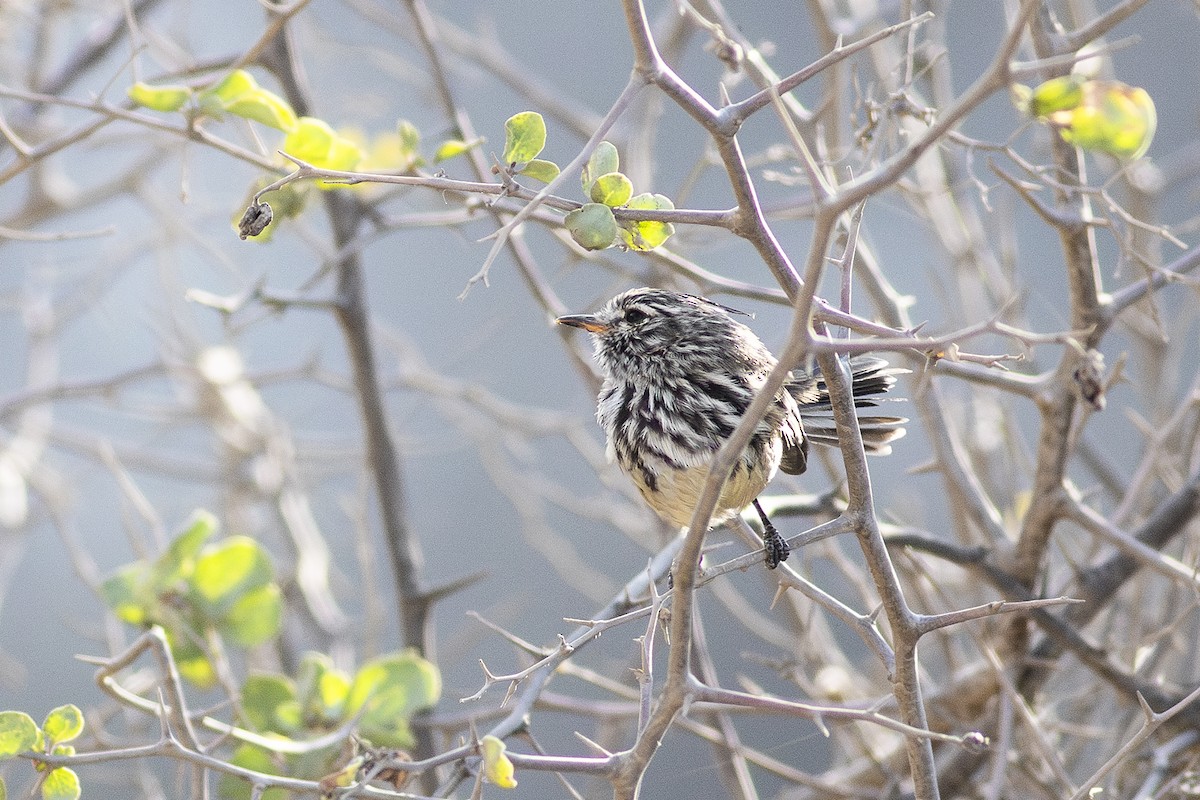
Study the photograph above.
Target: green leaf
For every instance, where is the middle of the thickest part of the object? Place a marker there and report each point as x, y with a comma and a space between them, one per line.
648, 234
345, 776
593, 226
310, 140
227, 571
191, 661
61, 784
18, 733
195, 668
266, 107
524, 137
332, 690
255, 758
1057, 94
389, 690
410, 137
180, 557
63, 724
159, 98
1108, 116
602, 161
239, 94
651, 202
541, 170
1114, 118
497, 766
454, 147
255, 617
233, 86
289, 717
313, 666
344, 155
262, 695
612, 189
321, 689
129, 593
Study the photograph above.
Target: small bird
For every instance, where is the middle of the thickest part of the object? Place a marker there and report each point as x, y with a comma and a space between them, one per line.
680, 372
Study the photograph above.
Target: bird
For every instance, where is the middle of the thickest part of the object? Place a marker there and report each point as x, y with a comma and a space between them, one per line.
679, 373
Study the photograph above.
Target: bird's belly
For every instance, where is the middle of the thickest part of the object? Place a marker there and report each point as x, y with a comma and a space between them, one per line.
677, 491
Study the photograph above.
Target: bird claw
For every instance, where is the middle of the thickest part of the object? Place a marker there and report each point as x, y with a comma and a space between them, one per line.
777, 548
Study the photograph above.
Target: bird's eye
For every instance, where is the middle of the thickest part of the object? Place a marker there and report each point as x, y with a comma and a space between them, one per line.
636, 315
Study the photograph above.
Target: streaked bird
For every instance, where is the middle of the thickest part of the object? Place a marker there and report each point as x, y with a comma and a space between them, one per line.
680, 372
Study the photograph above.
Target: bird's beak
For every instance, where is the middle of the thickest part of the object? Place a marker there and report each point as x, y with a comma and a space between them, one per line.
589, 322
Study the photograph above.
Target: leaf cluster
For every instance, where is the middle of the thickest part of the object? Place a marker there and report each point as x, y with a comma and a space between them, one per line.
20, 734
196, 588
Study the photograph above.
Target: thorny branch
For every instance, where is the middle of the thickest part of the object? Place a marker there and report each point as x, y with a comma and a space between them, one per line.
1017, 520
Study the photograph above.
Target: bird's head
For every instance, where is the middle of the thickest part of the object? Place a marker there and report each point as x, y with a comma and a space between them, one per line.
657, 329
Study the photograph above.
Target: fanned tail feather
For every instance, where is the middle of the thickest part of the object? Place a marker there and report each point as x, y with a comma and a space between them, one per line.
870, 376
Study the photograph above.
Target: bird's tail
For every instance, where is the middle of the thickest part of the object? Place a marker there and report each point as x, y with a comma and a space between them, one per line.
870, 376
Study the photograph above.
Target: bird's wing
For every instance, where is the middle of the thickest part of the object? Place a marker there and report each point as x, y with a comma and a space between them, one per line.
795, 442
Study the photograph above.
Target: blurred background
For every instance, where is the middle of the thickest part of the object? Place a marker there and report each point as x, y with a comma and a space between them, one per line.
116, 251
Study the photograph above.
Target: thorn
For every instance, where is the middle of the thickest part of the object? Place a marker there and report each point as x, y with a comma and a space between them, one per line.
95, 661
781, 589
594, 745
445, 590
1151, 714
512, 689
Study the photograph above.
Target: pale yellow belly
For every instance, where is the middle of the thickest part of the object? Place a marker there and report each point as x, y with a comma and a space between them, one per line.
679, 491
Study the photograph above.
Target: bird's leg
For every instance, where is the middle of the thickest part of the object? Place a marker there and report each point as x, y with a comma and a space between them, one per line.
777, 547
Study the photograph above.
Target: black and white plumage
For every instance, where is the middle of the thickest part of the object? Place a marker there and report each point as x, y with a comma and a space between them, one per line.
680, 372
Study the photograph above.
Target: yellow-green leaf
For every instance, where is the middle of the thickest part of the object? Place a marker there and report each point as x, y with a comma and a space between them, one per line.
593, 226
255, 617
390, 689
159, 98
266, 107
233, 85
310, 140
197, 669
129, 594
346, 776
497, 767
410, 136
238, 93
61, 784
179, 559
1114, 118
228, 570
541, 170
63, 724
1057, 94
344, 155
454, 147
18, 733
262, 695
612, 189
254, 758
388, 152
333, 687
524, 137
602, 161
648, 234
